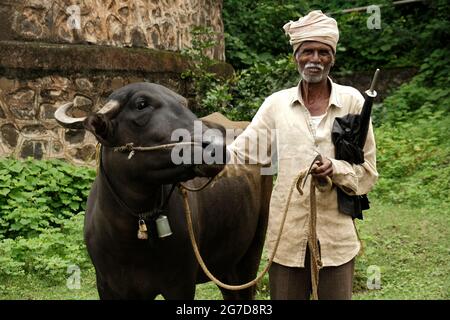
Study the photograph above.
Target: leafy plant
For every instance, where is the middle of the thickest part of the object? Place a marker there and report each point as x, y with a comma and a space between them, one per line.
199, 71
413, 143
239, 96
254, 29
47, 255
41, 217
254, 84
37, 195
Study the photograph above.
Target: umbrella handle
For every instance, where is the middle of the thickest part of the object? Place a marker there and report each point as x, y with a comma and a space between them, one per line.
371, 92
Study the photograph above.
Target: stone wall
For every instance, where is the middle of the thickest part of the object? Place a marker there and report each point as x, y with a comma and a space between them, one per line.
157, 24
45, 63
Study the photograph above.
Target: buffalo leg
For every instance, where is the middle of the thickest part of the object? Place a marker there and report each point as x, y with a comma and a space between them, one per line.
105, 292
247, 268
235, 278
183, 291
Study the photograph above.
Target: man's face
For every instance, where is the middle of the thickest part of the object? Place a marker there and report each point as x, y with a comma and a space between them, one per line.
314, 60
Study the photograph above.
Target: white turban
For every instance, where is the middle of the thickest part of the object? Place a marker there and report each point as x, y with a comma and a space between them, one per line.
315, 26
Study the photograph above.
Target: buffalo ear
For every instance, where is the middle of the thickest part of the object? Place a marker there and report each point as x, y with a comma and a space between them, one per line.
101, 127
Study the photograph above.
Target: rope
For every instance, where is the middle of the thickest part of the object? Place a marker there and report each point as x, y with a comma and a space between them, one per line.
129, 147
98, 149
361, 251
313, 245
197, 189
313, 242
315, 258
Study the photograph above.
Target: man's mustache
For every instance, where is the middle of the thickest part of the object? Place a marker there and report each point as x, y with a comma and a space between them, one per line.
314, 65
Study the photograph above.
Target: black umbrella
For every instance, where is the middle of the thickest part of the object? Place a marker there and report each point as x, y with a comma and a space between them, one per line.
349, 135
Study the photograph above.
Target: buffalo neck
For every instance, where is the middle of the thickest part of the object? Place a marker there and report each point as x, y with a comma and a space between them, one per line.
134, 196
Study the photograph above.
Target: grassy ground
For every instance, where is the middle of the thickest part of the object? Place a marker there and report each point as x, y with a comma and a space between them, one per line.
409, 247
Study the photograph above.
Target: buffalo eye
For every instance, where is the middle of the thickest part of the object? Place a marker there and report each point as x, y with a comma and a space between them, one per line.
141, 105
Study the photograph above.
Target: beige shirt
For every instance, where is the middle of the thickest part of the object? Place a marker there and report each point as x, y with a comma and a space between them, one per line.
283, 123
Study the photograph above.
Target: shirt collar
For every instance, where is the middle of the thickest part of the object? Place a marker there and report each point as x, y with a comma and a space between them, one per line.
334, 98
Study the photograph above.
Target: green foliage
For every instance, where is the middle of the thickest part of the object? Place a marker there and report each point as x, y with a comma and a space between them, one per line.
217, 98
413, 160
409, 101
413, 151
47, 255
240, 96
37, 195
41, 217
361, 48
435, 70
408, 34
256, 83
203, 40
254, 29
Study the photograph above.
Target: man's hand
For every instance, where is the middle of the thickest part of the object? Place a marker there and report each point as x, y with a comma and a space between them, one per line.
322, 169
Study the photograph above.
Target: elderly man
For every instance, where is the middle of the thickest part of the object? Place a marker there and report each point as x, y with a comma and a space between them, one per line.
298, 122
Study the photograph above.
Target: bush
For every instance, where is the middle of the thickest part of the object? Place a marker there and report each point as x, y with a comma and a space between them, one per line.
413, 159
413, 142
408, 33
41, 217
254, 84
254, 29
37, 195
240, 96
47, 255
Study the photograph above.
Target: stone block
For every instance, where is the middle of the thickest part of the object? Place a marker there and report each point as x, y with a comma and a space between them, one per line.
85, 153
33, 130
47, 111
10, 134
21, 104
84, 85
33, 148
74, 136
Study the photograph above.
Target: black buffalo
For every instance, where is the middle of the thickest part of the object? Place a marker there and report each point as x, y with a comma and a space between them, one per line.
229, 216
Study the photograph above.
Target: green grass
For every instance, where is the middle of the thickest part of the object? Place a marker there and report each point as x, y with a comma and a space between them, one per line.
32, 287
410, 246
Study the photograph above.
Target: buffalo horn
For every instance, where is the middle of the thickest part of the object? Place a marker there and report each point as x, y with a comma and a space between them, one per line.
77, 123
